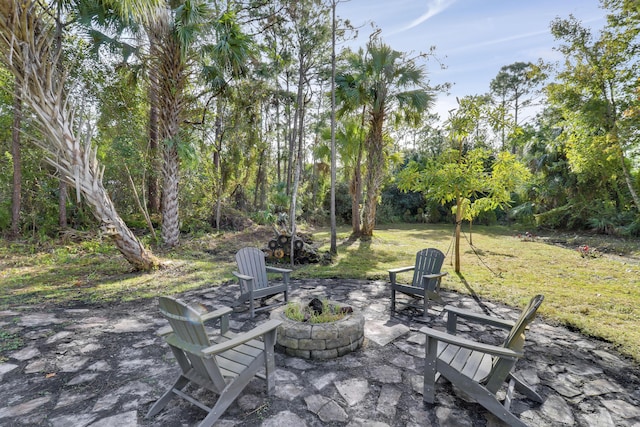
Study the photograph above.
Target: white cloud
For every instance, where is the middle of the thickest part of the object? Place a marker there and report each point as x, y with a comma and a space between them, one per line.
434, 7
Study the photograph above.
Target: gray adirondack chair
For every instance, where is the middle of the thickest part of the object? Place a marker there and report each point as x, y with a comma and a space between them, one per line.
480, 369
223, 364
426, 279
253, 280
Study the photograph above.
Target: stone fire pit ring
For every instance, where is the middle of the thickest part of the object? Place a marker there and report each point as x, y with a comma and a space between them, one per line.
320, 340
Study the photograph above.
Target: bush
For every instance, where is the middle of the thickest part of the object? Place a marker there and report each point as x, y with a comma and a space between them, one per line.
397, 205
343, 203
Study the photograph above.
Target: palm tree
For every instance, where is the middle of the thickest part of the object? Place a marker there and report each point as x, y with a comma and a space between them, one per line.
349, 140
179, 36
385, 83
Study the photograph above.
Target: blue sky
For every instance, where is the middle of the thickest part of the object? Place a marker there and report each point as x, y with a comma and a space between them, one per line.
473, 38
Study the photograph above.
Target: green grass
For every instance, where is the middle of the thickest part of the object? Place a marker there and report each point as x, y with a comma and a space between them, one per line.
598, 296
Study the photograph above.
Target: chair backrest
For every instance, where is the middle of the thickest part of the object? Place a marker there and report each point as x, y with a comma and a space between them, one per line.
251, 262
428, 261
186, 323
188, 339
514, 341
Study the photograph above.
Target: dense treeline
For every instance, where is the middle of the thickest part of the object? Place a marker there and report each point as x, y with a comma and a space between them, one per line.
183, 116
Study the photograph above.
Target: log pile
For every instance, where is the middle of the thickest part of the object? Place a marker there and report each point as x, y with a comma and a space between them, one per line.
279, 249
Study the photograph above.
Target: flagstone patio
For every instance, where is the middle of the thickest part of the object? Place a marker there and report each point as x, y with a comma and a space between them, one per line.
104, 366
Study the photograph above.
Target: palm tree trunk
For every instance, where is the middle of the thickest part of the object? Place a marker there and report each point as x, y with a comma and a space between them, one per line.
356, 194
153, 190
170, 217
26, 49
375, 173
172, 80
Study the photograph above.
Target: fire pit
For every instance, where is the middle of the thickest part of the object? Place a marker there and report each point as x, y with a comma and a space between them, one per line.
320, 340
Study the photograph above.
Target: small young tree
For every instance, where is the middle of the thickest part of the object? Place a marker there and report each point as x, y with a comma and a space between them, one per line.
462, 175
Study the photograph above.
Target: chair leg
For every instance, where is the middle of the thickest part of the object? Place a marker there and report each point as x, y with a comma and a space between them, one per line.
231, 392
167, 396
525, 389
425, 313
429, 391
393, 300
480, 394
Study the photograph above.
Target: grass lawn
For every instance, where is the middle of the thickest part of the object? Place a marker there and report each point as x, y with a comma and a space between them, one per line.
600, 296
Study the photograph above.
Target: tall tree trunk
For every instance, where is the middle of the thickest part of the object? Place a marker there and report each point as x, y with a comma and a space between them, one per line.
155, 166
374, 176
27, 50
16, 198
171, 79
216, 163
290, 138
356, 185
332, 212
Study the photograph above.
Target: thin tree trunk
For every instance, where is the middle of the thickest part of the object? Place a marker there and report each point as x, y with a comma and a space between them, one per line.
458, 230
299, 134
290, 144
332, 211
216, 163
628, 180
16, 198
63, 192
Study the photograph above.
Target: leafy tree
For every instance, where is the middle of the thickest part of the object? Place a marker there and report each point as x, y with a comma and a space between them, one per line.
593, 91
469, 178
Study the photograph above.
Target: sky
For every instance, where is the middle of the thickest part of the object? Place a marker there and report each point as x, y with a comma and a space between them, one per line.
473, 38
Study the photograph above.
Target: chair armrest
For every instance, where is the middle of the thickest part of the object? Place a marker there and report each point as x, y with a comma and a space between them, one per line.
165, 330
278, 270
254, 333
401, 269
470, 344
215, 314
435, 275
477, 317
242, 276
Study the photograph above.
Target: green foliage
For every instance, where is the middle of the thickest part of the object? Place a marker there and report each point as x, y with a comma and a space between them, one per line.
455, 176
303, 313
397, 205
264, 217
343, 203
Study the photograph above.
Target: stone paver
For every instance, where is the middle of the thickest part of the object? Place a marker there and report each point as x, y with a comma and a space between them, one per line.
106, 366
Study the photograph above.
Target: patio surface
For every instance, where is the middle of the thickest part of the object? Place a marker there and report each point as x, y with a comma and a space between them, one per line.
104, 366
